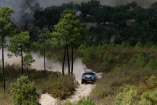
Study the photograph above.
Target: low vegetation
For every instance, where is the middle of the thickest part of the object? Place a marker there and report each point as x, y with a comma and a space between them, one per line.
23, 92
40, 82
83, 101
129, 76
63, 87
129, 72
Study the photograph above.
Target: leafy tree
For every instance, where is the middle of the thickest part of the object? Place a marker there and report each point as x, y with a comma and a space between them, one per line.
50, 15
67, 30
119, 18
23, 92
140, 14
28, 60
124, 35
100, 35
6, 28
104, 14
47, 17
89, 7
126, 8
18, 45
44, 44
70, 5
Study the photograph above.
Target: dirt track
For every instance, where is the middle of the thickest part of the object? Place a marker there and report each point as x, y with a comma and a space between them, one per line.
83, 90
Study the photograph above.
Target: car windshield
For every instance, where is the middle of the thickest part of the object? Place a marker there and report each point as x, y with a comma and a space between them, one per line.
88, 74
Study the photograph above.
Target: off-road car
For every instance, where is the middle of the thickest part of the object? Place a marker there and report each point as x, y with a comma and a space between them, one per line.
88, 76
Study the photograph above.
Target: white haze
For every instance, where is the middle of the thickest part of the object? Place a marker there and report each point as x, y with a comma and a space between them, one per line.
23, 9
51, 65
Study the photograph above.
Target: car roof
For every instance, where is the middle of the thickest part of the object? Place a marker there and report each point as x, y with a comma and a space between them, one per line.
88, 72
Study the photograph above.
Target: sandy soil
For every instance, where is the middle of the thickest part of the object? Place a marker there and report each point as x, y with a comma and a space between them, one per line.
83, 90
46, 99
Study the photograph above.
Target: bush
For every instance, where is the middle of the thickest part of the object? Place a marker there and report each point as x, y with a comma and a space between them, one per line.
126, 97
138, 45
152, 62
83, 101
88, 53
68, 82
86, 101
149, 98
140, 60
58, 90
148, 45
152, 78
109, 58
23, 92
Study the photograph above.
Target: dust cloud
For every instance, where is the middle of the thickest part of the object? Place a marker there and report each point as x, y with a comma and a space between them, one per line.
51, 65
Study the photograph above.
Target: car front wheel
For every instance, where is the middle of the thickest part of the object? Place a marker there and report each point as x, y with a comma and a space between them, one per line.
82, 82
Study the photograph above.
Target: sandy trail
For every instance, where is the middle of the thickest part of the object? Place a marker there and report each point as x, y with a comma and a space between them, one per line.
83, 90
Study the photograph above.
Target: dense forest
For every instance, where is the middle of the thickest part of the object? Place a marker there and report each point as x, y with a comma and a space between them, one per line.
118, 41
128, 23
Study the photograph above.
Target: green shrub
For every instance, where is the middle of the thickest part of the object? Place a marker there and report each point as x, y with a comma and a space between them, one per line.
126, 97
153, 47
105, 46
152, 62
149, 98
138, 45
123, 54
109, 58
58, 90
123, 44
88, 53
23, 92
148, 45
152, 78
86, 101
68, 102
140, 60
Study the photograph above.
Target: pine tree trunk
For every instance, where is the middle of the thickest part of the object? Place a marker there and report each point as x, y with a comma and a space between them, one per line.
27, 72
68, 59
72, 58
21, 60
3, 73
63, 60
44, 63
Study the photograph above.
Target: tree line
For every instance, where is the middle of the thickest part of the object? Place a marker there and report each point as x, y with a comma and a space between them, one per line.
128, 23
